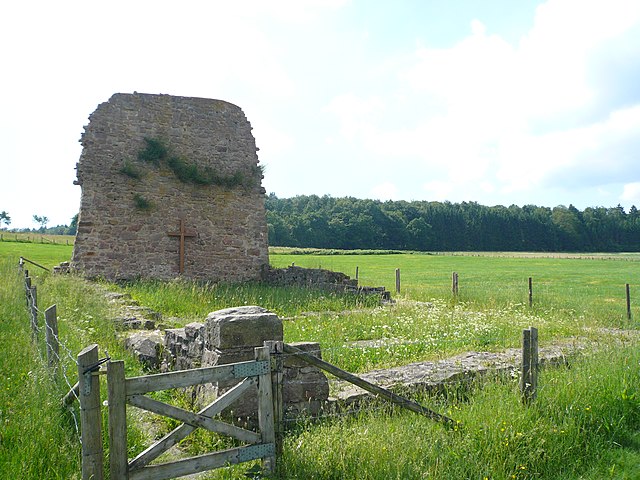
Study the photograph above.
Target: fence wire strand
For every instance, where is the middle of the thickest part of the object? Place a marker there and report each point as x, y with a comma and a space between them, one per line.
61, 360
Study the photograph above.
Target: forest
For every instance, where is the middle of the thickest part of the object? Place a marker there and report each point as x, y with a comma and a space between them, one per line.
351, 223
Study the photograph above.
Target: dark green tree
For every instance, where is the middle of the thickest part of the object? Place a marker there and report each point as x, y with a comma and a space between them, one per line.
5, 218
42, 220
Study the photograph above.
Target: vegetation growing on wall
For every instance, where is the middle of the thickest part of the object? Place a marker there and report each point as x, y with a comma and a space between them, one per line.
131, 171
155, 151
158, 153
141, 202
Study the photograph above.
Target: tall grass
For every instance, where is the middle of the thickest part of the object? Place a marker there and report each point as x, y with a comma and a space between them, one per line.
194, 300
38, 437
585, 424
408, 331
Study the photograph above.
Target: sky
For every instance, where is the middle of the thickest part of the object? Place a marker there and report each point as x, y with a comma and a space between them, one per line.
499, 102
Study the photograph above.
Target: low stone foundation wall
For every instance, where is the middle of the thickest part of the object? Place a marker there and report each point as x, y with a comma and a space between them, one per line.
306, 277
321, 279
230, 336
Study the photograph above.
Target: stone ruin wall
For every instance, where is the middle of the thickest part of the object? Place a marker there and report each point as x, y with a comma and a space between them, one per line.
229, 336
117, 239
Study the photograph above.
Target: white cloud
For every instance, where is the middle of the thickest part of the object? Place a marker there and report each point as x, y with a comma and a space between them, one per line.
354, 114
506, 118
631, 193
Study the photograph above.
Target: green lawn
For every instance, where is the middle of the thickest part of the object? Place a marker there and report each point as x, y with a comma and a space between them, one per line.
592, 286
584, 425
46, 254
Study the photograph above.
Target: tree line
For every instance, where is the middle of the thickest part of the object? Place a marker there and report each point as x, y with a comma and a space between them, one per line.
70, 229
351, 223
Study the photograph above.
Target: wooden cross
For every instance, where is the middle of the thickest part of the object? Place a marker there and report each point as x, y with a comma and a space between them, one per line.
183, 233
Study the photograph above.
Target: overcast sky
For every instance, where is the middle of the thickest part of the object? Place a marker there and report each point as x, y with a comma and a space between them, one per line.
494, 101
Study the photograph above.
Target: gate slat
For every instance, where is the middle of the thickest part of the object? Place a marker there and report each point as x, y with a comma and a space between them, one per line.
172, 438
201, 463
117, 419
193, 419
180, 379
265, 409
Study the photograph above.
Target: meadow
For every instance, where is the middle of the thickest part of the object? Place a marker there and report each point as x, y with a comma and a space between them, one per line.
584, 425
34, 237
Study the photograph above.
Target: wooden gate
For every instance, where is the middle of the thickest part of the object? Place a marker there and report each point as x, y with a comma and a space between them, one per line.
132, 391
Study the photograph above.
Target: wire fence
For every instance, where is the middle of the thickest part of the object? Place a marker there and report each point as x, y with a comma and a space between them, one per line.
62, 360
59, 357
37, 238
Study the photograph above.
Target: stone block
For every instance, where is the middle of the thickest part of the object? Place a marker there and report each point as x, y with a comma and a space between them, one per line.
147, 347
241, 326
212, 357
312, 348
304, 388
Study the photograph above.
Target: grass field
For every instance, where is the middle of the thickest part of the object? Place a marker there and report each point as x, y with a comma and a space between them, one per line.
590, 284
584, 425
46, 254
36, 238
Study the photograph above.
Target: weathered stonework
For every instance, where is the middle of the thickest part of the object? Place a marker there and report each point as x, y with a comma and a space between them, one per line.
230, 336
125, 220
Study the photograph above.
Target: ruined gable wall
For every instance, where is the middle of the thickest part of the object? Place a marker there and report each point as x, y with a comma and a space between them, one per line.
117, 239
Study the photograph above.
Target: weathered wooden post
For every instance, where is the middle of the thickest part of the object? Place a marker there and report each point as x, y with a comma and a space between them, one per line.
276, 351
265, 408
530, 292
90, 414
27, 288
51, 336
454, 283
357, 275
397, 280
628, 302
33, 295
118, 461
529, 382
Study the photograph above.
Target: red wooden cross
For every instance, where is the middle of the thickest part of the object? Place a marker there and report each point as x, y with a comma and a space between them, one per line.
183, 233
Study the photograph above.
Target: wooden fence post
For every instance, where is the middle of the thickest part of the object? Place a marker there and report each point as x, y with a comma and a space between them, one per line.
628, 302
33, 294
90, 414
454, 283
276, 350
529, 383
27, 288
118, 460
51, 336
265, 408
530, 292
397, 280
357, 275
